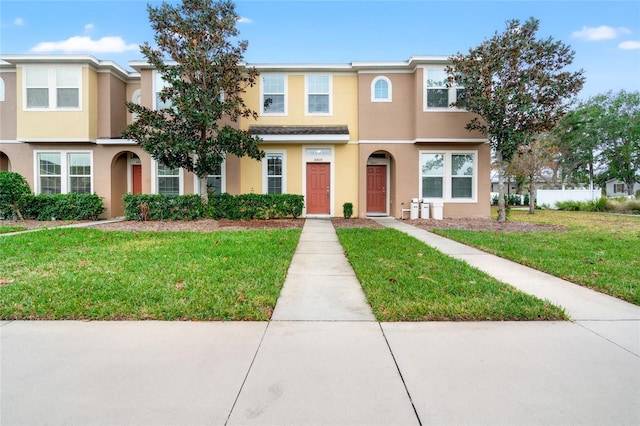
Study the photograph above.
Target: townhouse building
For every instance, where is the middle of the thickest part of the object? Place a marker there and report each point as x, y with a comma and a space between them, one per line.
376, 134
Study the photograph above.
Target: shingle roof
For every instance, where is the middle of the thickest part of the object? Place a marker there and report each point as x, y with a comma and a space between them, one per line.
298, 130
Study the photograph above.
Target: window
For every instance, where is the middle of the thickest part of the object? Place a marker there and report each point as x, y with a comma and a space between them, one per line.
448, 175
80, 173
273, 172
64, 172
274, 98
318, 94
381, 89
136, 98
52, 88
438, 94
1, 89
158, 85
215, 180
168, 180
432, 175
619, 188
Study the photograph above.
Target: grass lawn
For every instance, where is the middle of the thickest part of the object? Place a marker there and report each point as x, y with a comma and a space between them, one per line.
93, 274
406, 280
599, 250
9, 229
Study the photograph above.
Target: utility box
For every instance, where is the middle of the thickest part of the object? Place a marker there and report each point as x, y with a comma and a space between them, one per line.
424, 210
437, 210
415, 208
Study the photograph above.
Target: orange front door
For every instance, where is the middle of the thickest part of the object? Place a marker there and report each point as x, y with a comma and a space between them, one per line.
318, 188
376, 189
136, 179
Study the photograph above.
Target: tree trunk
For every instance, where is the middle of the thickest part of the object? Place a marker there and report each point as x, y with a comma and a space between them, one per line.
532, 194
204, 191
502, 211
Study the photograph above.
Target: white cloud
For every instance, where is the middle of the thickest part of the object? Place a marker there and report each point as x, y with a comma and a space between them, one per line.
88, 27
629, 45
602, 32
19, 22
85, 44
243, 20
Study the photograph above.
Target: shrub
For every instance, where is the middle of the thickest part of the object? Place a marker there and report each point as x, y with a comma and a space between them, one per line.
64, 207
255, 206
347, 210
163, 207
14, 194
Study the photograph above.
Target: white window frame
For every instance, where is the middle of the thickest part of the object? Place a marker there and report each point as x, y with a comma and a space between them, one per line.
223, 184
451, 93
448, 177
158, 85
265, 170
136, 98
389, 89
284, 93
2, 89
155, 176
52, 88
307, 93
65, 175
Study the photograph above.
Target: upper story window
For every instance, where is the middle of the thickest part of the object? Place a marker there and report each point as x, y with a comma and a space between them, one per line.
438, 93
381, 89
274, 94
158, 85
52, 88
1, 89
318, 94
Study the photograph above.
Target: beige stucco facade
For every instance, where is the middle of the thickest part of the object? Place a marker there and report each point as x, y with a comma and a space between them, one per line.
357, 130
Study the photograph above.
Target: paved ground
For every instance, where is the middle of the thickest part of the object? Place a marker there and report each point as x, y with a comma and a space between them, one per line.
324, 360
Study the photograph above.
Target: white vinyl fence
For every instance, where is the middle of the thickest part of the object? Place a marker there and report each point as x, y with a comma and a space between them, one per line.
549, 197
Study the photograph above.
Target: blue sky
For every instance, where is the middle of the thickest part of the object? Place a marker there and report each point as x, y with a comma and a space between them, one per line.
604, 34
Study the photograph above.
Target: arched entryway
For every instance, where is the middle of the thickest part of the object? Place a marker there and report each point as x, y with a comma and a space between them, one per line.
5, 164
378, 183
126, 176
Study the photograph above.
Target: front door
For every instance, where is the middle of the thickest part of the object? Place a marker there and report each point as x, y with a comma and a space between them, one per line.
136, 179
376, 189
318, 188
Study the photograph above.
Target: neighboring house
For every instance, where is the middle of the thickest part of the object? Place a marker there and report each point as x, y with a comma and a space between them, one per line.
376, 134
616, 188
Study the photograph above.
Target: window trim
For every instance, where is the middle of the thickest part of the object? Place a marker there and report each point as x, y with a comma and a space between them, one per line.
155, 176
52, 87
2, 89
285, 93
389, 89
65, 175
448, 176
157, 88
451, 93
223, 176
265, 170
307, 93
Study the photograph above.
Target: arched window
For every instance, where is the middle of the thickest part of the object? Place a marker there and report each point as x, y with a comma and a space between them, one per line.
381, 89
1, 89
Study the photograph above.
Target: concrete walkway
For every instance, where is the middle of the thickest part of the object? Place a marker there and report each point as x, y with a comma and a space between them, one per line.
325, 365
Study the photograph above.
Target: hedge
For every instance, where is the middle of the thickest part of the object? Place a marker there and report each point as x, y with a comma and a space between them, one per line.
63, 207
191, 207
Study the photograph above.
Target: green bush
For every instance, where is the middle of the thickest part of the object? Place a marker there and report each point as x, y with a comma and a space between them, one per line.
64, 207
14, 194
347, 210
255, 206
163, 207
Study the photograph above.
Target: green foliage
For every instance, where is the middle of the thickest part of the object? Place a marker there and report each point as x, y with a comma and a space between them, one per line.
14, 193
255, 206
347, 210
511, 200
64, 207
218, 206
163, 207
205, 85
601, 205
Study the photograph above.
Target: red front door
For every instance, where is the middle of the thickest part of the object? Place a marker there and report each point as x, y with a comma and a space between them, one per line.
318, 188
136, 179
376, 189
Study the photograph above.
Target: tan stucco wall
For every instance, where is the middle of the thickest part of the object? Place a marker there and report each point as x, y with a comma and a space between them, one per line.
112, 115
346, 178
8, 110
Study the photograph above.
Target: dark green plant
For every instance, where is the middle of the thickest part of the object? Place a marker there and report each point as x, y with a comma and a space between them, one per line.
64, 207
163, 207
14, 193
347, 210
255, 206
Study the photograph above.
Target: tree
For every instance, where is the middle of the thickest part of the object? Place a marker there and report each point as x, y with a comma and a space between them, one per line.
197, 58
517, 85
530, 162
14, 193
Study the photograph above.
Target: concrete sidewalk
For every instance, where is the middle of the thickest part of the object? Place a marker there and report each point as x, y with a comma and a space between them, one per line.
322, 365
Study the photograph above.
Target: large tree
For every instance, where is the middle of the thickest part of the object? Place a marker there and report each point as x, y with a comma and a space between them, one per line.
200, 61
518, 86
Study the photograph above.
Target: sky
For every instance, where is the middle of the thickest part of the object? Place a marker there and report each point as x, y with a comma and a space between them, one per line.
605, 35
